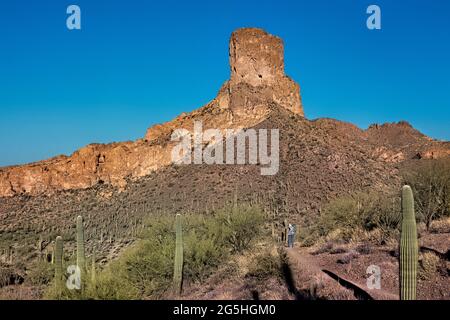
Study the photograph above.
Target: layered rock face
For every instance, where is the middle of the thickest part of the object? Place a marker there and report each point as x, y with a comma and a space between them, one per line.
257, 74
93, 164
257, 81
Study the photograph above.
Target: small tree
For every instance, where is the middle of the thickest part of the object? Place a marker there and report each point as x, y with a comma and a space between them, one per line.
430, 182
240, 225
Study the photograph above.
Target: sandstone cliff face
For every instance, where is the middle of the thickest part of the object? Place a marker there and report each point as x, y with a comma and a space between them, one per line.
257, 64
86, 167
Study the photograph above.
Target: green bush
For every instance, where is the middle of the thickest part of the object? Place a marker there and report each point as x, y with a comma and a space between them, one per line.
202, 253
265, 266
359, 211
145, 270
112, 284
430, 182
41, 272
240, 226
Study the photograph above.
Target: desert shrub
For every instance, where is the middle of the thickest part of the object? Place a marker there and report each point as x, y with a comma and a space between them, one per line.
146, 268
58, 290
11, 274
347, 258
384, 213
240, 225
344, 216
265, 266
364, 248
324, 248
112, 284
428, 265
202, 254
441, 226
124, 279
430, 182
338, 250
341, 213
6, 275
40, 273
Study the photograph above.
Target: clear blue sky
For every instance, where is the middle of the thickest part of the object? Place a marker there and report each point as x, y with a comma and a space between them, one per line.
137, 63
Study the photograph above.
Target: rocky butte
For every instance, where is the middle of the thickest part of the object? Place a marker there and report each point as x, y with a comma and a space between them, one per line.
257, 85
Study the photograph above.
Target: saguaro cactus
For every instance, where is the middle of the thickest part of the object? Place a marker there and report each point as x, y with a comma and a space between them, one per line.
81, 258
93, 271
178, 264
408, 247
40, 248
58, 261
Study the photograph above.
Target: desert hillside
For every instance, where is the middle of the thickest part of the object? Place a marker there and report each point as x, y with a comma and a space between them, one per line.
118, 187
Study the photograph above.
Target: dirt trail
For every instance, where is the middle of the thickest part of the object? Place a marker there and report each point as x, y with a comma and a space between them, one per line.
309, 275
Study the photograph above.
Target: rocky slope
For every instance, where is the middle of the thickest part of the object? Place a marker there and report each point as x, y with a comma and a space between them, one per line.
115, 186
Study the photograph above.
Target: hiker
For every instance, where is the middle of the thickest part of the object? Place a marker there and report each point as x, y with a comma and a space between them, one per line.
291, 235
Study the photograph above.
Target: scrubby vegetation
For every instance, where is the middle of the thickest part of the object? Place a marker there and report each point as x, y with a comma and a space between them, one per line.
145, 270
347, 228
356, 215
343, 218
266, 265
428, 265
430, 182
40, 273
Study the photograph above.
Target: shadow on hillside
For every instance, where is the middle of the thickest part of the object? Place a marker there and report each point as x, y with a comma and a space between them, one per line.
290, 284
255, 295
359, 293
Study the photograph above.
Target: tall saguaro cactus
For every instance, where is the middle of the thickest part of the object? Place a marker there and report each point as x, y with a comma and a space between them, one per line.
81, 258
408, 247
178, 264
58, 261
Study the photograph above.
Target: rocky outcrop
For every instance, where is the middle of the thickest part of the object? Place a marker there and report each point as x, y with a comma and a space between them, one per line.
257, 81
257, 74
93, 164
441, 150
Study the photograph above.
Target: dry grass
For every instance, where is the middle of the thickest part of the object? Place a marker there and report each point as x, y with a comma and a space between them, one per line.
20, 292
440, 226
